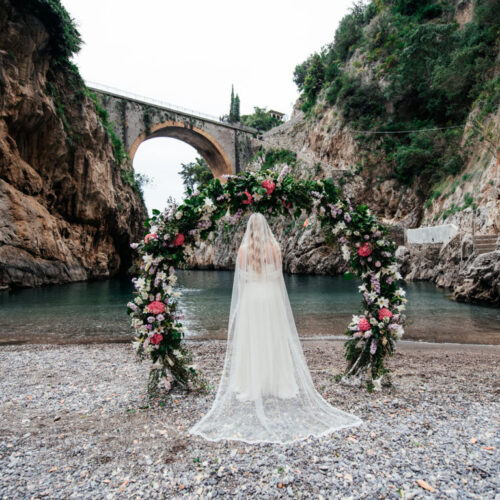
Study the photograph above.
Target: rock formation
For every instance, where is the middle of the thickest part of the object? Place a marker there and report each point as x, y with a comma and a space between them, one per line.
67, 212
325, 146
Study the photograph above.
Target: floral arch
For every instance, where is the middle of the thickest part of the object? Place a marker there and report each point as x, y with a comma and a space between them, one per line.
173, 234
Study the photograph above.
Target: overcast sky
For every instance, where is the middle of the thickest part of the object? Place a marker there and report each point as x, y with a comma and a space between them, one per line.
190, 52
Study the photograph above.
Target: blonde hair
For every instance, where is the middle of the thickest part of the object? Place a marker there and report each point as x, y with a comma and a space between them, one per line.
261, 248
254, 255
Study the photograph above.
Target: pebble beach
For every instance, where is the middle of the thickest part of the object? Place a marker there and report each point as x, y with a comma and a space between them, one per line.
76, 422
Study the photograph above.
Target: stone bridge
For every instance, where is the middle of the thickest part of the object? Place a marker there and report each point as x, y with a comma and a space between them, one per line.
226, 147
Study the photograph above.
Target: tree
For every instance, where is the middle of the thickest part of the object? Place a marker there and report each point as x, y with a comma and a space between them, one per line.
231, 106
260, 119
314, 81
237, 108
234, 108
300, 73
196, 174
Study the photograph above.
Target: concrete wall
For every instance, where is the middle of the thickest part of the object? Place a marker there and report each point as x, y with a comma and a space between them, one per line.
431, 234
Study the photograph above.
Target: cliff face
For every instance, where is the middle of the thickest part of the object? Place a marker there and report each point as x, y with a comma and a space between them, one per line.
66, 214
396, 174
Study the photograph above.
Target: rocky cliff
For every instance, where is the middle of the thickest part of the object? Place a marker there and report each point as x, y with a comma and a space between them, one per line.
68, 209
400, 66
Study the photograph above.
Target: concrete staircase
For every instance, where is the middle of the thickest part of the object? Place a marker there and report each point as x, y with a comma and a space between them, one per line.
484, 243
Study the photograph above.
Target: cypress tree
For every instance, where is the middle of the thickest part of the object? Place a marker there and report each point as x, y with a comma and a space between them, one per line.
237, 108
231, 107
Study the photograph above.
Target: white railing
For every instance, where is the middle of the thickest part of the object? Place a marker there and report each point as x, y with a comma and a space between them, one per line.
159, 102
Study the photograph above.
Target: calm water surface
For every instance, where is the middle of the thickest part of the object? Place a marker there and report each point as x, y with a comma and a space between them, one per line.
322, 305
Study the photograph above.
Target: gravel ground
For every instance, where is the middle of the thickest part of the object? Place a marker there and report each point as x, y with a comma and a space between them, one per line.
75, 422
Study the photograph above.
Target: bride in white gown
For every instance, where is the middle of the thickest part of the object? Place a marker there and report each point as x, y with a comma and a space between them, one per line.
266, 393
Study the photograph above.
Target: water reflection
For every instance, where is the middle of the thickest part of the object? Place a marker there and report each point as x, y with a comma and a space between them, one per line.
322, 305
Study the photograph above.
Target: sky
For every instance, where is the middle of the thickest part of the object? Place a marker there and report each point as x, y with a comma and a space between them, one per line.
190, 52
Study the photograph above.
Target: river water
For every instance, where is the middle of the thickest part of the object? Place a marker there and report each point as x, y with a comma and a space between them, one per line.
322, 305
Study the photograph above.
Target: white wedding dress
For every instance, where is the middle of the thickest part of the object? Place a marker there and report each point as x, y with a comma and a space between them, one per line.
266, 393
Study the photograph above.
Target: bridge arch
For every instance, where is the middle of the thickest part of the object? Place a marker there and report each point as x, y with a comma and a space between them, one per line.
206, 145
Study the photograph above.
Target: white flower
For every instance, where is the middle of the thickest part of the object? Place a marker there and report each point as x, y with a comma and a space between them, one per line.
399, 332
339, 227
346, 253
153, 229
381, 243
176, 295
178, 214
356, 233
377, 384
148, 260
257, 197
177, 354
373, 321
136, 323
138, 301
382, 302
144, 295
208, 203
372, 296
400, 292
139, 283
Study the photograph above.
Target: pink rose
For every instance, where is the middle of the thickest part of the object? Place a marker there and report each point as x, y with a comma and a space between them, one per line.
178, 240
156, 338
269, 186
150, 236
365, 249
156, 307
364, 325
384, 313
249, 198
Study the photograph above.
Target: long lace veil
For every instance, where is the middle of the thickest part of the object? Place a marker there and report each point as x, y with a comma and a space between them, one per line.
266, 393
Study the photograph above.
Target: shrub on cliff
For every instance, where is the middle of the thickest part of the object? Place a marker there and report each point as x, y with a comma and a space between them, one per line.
428, 72
260, 119
65, 40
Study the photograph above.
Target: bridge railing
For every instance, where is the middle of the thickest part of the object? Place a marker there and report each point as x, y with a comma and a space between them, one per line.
163, 104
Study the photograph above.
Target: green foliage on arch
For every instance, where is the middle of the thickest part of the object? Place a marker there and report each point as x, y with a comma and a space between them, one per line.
174, 234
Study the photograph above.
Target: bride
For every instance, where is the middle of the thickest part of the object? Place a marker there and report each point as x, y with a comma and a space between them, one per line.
266, 393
